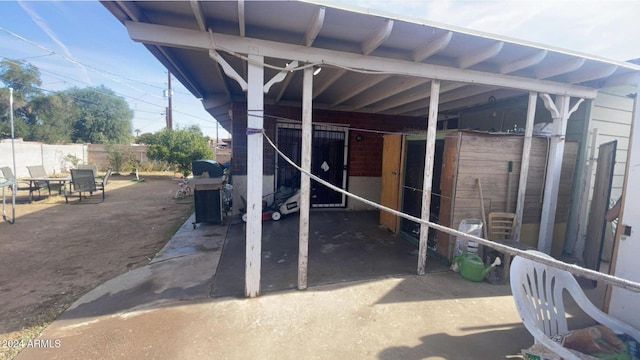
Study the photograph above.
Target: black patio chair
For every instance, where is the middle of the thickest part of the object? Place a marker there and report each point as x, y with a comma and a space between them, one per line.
82, 180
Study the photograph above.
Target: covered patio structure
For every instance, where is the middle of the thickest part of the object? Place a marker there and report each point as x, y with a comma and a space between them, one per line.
307, 57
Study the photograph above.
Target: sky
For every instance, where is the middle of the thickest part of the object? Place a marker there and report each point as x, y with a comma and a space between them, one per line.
79, 43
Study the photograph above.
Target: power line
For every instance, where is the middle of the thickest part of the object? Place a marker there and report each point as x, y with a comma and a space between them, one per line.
117, 93
90, 67
104, 73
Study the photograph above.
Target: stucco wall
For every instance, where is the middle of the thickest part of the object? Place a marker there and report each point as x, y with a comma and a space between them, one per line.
35, 153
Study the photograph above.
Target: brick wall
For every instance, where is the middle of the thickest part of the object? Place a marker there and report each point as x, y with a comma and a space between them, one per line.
365, 156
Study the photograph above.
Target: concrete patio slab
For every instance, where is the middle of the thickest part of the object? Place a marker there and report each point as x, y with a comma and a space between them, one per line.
164, 311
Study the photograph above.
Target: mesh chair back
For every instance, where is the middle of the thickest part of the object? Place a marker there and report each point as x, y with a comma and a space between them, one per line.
83, 180
7, 173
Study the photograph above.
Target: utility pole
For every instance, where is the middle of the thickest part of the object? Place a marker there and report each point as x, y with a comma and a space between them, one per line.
169, 111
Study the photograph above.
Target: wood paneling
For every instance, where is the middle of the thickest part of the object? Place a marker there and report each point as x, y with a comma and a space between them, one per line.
599, 205
447, 184
469, 156
390, 194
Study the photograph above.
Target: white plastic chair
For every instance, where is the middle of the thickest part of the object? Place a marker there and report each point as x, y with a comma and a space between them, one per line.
537, 291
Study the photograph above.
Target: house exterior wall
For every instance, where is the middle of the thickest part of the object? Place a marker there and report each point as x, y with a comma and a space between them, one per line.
364, 156
610, 113
623, 304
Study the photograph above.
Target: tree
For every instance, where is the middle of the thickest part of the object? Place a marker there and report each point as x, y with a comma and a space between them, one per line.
100, 116
118, 160
50, 119
180, 147
146, 138
24, 78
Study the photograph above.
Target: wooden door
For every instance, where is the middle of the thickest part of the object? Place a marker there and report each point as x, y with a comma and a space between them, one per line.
390, 188
599, 205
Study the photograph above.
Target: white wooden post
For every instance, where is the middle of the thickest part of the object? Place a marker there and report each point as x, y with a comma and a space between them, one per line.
524, 166
428, 174
305, 183
560, 115
255, 113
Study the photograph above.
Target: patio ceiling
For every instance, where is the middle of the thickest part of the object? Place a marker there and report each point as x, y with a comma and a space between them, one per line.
371, 62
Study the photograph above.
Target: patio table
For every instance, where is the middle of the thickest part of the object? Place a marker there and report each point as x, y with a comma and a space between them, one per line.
62, 181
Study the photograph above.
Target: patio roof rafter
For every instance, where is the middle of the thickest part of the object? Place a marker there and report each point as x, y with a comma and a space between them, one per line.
523, 63
378, 37
432, 48
198, 13
410, 96
327, 82
400, 91
480, 55
177, 37
359, 87
560, 68
241, 19
314, 26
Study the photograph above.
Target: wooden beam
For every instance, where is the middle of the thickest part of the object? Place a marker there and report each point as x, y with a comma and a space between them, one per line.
523, 63
328, 81
280, 76
305, 182
241, 18
428, 175
481, 55
405, 98
314, 26
379, 37
459, 95
560, 68
184, 38
554, 166
524, 166
197, 12
255, 124
213, 100
359, 87
397, 89
228, 69
623, 79
432, 48
590, 74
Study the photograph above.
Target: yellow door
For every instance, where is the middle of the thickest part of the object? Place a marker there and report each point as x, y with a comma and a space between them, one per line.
390, 189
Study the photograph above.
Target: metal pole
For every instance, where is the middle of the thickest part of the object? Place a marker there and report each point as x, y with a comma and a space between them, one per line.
170, 108
13, 154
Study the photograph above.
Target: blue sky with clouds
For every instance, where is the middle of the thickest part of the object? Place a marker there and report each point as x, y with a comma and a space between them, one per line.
81, 44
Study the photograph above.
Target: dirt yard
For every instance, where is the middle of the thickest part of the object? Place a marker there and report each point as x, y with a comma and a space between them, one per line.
56, 252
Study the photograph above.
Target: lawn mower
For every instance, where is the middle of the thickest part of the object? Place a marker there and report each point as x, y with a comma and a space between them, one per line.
285, 201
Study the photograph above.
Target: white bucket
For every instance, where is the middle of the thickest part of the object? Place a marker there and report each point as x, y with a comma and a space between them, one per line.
471, 227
